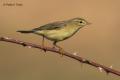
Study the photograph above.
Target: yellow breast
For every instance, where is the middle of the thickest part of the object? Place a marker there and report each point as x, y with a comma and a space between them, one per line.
60, 34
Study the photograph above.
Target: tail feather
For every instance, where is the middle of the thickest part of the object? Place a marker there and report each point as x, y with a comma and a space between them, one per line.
22, 31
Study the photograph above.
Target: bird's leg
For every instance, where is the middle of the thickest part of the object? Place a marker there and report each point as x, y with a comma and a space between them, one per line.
60, 49
54, 45
43, 44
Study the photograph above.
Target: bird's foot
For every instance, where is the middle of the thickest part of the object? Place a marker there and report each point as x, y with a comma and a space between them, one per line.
53, 47
43, 48
62, 51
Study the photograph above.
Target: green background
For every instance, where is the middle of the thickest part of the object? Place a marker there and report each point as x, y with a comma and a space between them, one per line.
99, 41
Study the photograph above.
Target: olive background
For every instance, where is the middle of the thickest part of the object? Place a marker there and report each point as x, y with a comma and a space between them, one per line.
99, 41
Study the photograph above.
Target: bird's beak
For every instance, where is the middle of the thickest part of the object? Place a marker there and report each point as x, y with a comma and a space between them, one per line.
89, 23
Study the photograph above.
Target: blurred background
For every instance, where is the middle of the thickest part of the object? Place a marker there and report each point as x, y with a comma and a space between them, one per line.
99, 41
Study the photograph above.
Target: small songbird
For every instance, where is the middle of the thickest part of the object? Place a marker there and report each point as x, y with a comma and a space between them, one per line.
58, 31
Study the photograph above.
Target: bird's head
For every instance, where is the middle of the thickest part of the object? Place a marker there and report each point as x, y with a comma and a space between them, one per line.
79, 22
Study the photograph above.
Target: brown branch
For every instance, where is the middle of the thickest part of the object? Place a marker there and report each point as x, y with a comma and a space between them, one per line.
73, 56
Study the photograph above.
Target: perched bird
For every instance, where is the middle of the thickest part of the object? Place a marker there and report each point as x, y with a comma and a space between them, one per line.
58, 31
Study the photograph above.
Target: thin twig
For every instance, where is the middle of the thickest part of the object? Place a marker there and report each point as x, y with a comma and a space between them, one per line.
73, 56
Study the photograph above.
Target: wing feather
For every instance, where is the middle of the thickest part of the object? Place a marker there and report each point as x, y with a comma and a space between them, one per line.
51, 26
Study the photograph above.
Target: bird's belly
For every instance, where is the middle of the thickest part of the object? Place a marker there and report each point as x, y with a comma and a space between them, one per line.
57, 35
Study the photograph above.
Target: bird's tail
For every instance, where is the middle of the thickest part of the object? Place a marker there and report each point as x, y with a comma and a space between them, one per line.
22, 31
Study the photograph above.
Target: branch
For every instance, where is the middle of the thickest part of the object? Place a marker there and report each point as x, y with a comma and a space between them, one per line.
73, 56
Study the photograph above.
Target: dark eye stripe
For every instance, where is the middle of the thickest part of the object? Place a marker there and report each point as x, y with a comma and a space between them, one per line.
81, 22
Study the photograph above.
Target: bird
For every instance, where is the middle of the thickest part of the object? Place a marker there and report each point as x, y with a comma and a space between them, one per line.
58, 31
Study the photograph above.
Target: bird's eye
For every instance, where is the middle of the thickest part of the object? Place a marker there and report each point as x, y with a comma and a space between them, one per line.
81, 22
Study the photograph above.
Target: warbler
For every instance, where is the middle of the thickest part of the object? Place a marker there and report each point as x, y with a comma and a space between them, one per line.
58, 31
